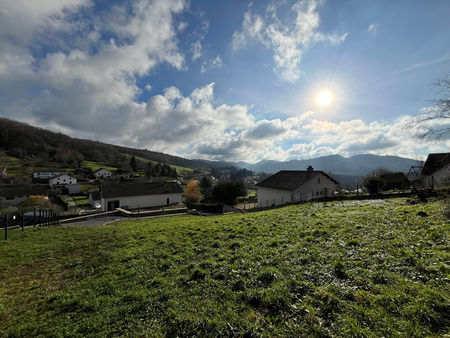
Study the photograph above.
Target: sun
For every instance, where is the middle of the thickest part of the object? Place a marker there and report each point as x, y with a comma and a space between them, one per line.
324, 98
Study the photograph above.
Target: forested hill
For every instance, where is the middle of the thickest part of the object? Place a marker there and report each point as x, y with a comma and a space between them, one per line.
21, 140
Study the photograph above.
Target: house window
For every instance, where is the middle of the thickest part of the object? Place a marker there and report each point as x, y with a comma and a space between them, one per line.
318, 180
317, 193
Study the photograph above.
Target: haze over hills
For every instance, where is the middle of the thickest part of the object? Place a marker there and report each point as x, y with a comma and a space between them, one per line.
337, 164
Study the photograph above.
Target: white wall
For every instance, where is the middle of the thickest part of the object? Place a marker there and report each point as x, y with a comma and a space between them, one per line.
313, 189
440, 178
269, 196
133, 202
103, 173
62, 180
309, 190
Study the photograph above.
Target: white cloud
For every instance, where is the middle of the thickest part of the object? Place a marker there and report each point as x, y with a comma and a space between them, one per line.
80, 84
211, 64
373, 28
288, 41
196, 50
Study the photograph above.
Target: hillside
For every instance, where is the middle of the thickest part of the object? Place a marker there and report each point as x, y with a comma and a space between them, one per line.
299, 271
22, 141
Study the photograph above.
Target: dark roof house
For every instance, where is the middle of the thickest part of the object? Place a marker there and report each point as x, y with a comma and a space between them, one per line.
291, 179
111, 190
287, 186
435, 162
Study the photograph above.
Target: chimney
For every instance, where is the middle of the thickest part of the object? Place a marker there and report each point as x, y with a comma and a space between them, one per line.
309, 169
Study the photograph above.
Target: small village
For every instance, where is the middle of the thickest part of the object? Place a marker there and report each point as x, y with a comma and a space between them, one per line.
106, 190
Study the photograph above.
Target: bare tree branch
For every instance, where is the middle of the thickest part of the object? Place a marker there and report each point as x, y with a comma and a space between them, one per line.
433, 123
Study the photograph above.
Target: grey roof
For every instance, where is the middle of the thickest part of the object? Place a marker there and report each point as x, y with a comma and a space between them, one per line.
101, 169
290, 179
139, 189
21, 190
435, 162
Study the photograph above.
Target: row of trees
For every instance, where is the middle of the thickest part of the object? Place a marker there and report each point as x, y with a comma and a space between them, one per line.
383, 180
223, 192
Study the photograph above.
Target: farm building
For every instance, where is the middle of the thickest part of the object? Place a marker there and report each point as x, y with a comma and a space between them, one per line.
436, 170
139, 195
287, 186
102, 173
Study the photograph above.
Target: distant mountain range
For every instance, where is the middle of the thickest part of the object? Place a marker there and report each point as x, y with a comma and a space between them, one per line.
336, 164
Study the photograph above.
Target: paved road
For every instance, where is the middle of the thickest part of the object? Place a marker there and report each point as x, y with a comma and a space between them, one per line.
96, 221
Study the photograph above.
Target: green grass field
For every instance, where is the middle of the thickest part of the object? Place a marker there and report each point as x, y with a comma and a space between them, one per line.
352, 269
180, 169
97, 165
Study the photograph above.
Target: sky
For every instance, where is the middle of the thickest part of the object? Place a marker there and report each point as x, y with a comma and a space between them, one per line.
227, 80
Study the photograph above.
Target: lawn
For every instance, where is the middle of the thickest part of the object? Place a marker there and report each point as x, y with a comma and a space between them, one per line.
370, 268
94, 166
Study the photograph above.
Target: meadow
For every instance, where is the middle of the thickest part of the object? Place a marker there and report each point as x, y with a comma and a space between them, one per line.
354, 268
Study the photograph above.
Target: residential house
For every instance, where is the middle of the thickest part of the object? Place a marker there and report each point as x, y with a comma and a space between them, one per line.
102, 173
436, 170
45, 176
287, 186
16, 194
139, 195
62, 180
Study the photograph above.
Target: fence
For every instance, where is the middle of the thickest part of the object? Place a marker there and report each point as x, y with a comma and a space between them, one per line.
41, 217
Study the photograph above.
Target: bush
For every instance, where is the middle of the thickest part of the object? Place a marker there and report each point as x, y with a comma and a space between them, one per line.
206, 207
227, 192
193, 194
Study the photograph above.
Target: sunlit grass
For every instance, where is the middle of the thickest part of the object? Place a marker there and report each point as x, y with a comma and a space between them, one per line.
371, 268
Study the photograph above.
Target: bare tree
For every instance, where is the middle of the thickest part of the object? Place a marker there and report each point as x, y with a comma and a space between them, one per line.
433, 123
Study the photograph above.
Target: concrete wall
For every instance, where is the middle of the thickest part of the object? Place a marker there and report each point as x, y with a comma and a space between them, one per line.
133, 202
319, 186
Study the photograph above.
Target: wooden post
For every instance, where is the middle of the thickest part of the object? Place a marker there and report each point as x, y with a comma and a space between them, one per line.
138, 210
6, 227
23, 221
34, 217
40, 217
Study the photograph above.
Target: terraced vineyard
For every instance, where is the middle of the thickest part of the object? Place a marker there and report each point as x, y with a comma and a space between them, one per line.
372, 268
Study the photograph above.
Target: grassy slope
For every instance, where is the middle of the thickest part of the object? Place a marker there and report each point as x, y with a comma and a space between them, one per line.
180, 169
353, 269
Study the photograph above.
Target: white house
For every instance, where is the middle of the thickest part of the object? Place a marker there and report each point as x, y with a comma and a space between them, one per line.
139, 195
436, 170
102, 173
287, 186
47, 175
62, 180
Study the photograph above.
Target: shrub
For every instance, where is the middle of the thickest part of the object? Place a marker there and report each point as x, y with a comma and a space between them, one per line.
227, 192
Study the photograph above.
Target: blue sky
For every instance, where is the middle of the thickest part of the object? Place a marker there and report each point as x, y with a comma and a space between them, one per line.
228, 80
